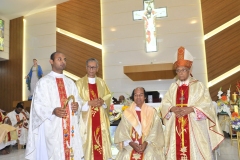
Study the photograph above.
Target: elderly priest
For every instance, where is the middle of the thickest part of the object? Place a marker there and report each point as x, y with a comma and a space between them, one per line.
192, 129
96, 98
139, 135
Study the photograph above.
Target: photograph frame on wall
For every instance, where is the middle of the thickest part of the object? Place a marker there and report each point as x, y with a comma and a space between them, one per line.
1, 35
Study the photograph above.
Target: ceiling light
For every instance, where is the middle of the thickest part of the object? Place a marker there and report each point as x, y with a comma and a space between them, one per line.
193, 22
113, 29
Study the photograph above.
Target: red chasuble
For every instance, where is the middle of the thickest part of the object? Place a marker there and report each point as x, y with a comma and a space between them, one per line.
182, 126
135, 138
96, 125
66, 132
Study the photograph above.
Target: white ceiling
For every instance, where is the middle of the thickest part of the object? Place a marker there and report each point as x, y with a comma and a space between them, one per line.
16, 8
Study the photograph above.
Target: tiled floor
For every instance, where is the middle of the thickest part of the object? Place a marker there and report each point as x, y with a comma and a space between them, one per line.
227, 152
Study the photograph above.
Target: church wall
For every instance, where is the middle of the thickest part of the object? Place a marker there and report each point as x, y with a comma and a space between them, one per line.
11, 70
124, 40
40, 41
222, 49
4, 55
82, 18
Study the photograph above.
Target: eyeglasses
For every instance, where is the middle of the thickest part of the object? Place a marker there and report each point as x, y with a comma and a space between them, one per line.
182, 70
138, 95
91, 67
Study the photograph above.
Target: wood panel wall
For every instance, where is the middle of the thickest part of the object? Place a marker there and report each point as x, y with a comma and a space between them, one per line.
11, 70
82, 18
223, 49
77, 53
217, 12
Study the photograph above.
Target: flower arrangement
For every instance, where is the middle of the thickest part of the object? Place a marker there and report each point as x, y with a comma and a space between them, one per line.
234, 114
223, 108
124, 107
116, 115
223, 101
236, 124
126, 103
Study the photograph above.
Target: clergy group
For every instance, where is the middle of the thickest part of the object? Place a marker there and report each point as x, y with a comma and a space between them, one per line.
70, 120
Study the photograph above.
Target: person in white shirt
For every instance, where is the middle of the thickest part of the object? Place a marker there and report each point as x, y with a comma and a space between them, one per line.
18, 120
54, 132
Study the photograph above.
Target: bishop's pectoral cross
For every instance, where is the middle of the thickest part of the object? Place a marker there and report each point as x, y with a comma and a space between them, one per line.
149, 14
182, 99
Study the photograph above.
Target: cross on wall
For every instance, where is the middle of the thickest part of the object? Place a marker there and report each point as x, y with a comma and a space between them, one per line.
148, 14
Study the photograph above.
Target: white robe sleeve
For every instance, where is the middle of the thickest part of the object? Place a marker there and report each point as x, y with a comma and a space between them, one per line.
41, 106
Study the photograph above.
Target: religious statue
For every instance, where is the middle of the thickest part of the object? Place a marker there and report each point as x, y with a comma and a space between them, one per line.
33, 76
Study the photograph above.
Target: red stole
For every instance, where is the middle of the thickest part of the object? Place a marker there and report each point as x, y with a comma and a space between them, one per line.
182, 126
135, 138
24, 114
1, 118
66, 132
19, 126
96, 125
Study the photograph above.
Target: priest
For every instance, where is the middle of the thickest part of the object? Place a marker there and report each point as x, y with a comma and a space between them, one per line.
192, 128
54, 131
139, 135
96, 96
18, 120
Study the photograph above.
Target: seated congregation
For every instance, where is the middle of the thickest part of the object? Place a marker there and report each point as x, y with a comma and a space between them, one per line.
13, 128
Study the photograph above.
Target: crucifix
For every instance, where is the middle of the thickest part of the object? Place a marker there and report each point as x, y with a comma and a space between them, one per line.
148, 15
